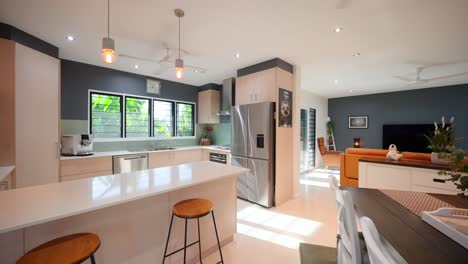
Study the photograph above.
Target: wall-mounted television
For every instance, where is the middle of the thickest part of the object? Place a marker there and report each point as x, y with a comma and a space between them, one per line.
407, 137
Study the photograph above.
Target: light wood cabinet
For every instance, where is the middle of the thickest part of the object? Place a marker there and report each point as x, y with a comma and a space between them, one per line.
160, 159
29, 113
208, 107
257, 87
187, 156
73, 169
170, 158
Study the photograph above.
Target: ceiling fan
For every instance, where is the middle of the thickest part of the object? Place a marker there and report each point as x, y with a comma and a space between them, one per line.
418, 78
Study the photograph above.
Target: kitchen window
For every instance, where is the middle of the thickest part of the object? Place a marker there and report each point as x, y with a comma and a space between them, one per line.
114, 117
163, 118
185, 120
137, 117
106, 115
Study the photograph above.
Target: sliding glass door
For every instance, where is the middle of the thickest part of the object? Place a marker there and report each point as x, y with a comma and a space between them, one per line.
307, 140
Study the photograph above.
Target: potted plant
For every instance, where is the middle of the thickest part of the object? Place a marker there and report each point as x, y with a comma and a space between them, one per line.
330, 126
441, 142
206, 137
459, 171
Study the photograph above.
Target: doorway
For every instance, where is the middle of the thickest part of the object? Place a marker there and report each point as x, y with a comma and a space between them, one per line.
307, 139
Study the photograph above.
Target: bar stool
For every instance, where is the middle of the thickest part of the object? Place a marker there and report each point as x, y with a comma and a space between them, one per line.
192, 209
71, 249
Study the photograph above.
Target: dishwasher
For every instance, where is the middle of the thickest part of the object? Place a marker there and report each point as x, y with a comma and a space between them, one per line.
130, 163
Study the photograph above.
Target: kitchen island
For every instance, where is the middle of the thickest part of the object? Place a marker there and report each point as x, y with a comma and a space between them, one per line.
130, 212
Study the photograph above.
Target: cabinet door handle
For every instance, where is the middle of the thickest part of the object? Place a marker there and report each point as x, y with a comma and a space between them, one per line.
438, 180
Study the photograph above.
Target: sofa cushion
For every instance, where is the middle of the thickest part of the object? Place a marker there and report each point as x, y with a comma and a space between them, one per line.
367, 152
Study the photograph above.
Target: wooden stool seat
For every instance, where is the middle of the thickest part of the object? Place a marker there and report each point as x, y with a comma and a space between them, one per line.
192, 208
69, 249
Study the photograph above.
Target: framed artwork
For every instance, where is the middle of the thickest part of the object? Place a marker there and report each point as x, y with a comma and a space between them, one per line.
285, 108
358, 122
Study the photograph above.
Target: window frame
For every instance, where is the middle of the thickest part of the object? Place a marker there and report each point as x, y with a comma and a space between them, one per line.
150, 101
90, 115
123, 115
176, 121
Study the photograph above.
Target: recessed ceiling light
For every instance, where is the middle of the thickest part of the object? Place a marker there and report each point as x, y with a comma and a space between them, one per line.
136, 66
338, 29
336, 81
70, 38
350, 91
356, 54
195, 71
237, 55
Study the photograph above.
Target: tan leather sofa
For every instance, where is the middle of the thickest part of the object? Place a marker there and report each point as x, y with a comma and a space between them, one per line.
349, 170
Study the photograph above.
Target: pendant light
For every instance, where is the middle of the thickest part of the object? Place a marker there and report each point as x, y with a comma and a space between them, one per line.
179, 63
108, 44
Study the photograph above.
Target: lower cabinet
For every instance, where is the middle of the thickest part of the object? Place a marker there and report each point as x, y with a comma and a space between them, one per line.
73, 169
160, 159
170, 158
403, 178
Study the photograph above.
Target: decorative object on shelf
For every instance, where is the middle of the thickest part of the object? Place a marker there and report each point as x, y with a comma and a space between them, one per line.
330, 126
286, 108
358, 122
108, 44
206, 137
442, 141
356, 142
393, 153
458, 174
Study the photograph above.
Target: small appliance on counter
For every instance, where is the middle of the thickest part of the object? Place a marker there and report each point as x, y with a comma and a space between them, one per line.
77, 145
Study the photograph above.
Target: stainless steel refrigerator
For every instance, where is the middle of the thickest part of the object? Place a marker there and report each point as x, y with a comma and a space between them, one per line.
253, 147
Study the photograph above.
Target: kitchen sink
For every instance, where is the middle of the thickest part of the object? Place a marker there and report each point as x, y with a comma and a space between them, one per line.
162, 148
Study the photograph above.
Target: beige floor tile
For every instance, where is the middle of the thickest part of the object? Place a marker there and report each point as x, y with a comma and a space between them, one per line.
273, 236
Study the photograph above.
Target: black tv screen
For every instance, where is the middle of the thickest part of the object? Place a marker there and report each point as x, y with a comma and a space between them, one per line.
407, 137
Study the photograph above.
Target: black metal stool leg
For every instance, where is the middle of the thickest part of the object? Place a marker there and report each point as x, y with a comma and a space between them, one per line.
217, 237
199, 240
93, 261
185, 242
168, 236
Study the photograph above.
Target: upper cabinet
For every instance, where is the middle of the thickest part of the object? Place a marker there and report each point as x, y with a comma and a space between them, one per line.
208, 107
257, 87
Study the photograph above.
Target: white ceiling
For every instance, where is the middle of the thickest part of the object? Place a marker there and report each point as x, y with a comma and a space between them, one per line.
393, 36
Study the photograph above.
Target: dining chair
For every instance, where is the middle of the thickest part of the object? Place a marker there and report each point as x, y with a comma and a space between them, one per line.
379, 250
350, 244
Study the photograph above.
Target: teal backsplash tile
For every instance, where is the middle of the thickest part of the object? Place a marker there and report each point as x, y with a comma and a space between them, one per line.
81, 127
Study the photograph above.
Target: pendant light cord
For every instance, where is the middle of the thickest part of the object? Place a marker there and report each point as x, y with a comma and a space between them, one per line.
108, 18
179, 37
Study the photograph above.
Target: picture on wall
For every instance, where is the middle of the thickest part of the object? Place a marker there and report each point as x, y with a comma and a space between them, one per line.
285, 107
358, 122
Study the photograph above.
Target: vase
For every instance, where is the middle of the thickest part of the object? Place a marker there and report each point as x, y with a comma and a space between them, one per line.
436, 160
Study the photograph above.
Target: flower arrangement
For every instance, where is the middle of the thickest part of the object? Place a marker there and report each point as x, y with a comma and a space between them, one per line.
459, 171
206, 138
442, 141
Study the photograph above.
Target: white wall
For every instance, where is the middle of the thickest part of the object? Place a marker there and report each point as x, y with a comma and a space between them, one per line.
306, 98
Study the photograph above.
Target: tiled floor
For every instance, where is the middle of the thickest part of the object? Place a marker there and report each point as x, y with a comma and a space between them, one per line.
273, 236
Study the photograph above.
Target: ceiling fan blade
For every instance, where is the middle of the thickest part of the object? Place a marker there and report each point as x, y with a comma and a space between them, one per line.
403, 78
163, 68
342, 4
136, 58
446, 77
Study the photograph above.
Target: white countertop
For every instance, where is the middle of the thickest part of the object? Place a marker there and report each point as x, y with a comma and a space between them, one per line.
39, 204
5, 171
126, 152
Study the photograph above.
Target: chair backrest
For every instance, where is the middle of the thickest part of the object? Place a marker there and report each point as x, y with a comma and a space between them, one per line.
321, 145
378, 249
349, 248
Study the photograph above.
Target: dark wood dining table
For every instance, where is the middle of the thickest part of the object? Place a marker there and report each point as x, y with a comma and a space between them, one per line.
414, 239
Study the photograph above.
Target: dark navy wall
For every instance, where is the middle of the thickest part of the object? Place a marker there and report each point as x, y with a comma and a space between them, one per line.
77, 78
422, 106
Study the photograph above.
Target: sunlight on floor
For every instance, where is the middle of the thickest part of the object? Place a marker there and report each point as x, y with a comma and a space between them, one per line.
281, 229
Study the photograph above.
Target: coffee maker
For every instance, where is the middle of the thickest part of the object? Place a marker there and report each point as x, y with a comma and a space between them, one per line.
77, 145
